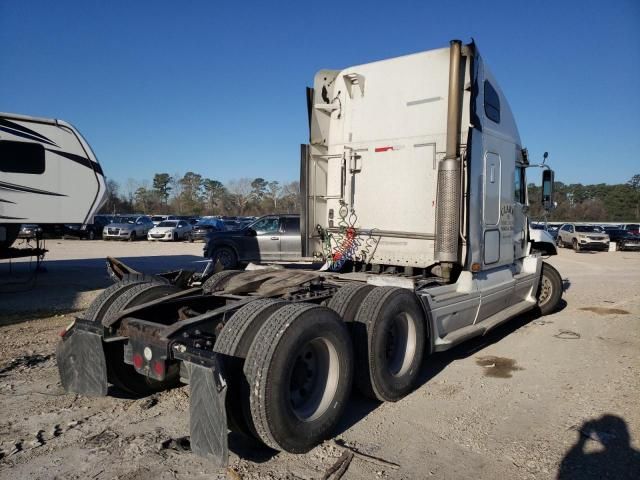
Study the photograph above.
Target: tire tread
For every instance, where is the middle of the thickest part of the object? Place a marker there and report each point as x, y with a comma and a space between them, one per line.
259, 361
210, 284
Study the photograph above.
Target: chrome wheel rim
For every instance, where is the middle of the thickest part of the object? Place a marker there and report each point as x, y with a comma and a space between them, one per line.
546, 289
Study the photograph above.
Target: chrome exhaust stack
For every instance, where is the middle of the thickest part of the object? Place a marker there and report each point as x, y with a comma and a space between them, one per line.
449, 172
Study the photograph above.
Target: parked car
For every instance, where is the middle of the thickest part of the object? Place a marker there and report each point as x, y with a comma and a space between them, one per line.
624, 239
205, 226
127, 228
582, 237
170, 230
156, 219
270, 238
90, 231
29, 231
631, 227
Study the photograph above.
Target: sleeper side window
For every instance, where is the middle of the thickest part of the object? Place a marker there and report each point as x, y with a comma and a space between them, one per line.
491, 102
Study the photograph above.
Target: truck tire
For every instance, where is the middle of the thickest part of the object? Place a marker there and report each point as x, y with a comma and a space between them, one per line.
104, 300
132, 237
347, 300
299, 369
576, 245
137, 295
389, 339
234, 342
227, 257
218, 281
549, 290
120, 374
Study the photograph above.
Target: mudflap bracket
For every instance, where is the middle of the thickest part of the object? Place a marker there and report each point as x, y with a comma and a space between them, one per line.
81, 360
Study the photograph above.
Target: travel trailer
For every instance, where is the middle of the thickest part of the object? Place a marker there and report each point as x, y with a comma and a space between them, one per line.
48, 175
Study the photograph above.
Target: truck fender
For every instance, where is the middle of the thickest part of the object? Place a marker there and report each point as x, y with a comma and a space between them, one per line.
542, 242
428, 319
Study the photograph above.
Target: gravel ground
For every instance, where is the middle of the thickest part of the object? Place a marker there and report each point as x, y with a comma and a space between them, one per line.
538, 398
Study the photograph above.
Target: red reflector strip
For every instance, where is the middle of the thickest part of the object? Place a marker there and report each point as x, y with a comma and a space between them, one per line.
383, 149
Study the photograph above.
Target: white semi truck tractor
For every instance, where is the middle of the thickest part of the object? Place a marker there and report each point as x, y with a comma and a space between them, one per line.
415, 232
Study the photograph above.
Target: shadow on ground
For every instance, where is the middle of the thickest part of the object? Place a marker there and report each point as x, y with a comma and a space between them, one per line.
64, 286
611, 454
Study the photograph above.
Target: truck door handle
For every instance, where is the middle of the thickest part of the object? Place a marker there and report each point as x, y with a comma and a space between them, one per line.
275, 238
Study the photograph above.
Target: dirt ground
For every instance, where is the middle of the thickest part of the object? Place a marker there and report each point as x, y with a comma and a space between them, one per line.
538, 398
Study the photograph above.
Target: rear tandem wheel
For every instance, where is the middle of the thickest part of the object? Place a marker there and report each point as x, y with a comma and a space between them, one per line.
121, 295
389, 339
299, 369
121, 374
233, 343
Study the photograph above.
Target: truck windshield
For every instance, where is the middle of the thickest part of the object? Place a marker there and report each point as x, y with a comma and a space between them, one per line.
585, 229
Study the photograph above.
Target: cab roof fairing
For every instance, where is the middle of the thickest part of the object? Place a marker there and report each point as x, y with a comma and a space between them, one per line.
507, 128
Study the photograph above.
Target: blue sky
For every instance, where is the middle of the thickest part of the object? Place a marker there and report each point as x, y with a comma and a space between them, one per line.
218, 87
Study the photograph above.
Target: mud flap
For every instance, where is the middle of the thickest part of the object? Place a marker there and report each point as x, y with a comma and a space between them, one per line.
81, 363
208, 422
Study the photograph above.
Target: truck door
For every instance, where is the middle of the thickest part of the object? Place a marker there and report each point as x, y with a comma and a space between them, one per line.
491, 208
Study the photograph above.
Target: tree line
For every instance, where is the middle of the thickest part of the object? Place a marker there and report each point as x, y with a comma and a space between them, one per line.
193, 194
590, 203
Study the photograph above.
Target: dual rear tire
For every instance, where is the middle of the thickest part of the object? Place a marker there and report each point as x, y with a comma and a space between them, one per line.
113, 300
389, 336
387, 325
290, 366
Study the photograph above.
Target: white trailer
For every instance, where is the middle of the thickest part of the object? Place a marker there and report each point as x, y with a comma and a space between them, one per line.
415, 208
48, 175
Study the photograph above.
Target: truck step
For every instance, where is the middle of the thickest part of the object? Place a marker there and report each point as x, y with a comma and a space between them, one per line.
458, 336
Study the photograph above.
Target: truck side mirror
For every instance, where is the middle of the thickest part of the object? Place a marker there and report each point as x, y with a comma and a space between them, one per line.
547, 189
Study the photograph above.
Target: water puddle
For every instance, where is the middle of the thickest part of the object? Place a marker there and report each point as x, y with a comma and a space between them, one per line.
498, 367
